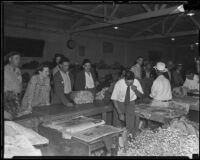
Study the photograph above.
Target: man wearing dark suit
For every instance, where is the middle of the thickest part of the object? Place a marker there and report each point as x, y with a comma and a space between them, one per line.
86, 79
168, 74
63, 84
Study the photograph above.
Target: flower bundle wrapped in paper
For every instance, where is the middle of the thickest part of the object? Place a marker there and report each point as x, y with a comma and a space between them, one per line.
82, 97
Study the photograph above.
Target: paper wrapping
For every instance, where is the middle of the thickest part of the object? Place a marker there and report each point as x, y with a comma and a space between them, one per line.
12, 129
19, 145
69, 127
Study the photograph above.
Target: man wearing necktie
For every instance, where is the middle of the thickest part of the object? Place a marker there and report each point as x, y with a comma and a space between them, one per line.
125, 93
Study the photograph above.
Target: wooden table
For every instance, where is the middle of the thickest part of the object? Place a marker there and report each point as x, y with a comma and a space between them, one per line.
52, 112
192, 101
145, 111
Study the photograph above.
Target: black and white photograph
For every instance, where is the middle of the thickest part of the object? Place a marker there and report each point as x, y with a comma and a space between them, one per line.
100, 79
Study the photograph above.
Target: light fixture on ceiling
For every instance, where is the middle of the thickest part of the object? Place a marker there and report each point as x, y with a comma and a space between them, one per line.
173, 39
191, 14
181, 8
115, 27
197, 43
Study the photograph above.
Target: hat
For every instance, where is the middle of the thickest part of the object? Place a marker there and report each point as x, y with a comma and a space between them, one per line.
10, 54
160, 66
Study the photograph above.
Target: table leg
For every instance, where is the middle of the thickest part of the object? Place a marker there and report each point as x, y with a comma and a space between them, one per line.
104, 116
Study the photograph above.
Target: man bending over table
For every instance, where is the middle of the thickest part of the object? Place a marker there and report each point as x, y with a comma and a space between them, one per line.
125, 92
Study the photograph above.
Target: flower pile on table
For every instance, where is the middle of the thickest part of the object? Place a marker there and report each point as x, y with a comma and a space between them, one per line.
101, 94
82, 97
180, 138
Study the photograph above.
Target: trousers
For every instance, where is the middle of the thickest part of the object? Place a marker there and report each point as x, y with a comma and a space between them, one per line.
131, 120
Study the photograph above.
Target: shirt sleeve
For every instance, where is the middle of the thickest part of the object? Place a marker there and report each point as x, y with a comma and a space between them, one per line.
133, 69
48, 91
185, 84
115, 93
196, 78
153, 90
31, 89
138, 85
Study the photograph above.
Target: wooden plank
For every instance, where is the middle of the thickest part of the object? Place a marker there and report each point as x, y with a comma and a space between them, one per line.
197, 23
175, 34
143, 16
163, 6
67, 7
143, 30
83, 19
146, 7
156, 7
173, 24
114, 11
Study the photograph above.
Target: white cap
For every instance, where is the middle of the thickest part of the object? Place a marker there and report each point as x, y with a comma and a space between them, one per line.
161, 67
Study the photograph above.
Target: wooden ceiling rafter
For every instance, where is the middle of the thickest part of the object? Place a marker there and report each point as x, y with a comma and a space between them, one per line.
143, 16
81, 20
174, 34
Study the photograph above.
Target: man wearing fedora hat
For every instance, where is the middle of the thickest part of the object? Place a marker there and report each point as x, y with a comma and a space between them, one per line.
12, 84
161, 88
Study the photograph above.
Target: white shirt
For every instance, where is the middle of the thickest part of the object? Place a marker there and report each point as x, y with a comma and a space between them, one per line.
67, 82
192, 84
137, 70
89, 80
161, 89
120, 88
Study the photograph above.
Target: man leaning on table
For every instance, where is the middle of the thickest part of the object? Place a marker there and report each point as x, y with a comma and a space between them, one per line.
161, 88
125, 93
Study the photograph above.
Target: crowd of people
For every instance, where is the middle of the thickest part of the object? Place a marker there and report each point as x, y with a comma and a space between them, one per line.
144, 80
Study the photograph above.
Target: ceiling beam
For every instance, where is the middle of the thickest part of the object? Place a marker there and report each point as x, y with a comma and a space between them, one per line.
146, 7
67, 7
163, 6
114, 11
145, 29
175, 34
143, 16
105, 11
173, 24
82, 19
156, 7
195, 22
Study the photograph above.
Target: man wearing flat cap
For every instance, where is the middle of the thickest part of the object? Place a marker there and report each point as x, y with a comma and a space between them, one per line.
12, 84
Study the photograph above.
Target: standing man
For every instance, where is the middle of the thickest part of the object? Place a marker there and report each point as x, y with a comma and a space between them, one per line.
125, 92
161, 88
137, 68
177, 76
170, 69
56, 61
12, 85
63, 84
86, 79
191, 81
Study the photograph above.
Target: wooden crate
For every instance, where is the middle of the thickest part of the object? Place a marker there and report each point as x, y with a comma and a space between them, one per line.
76, 147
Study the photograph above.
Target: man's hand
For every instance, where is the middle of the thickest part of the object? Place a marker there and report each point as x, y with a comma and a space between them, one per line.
97, 83
121, 117
70, 104
134, 88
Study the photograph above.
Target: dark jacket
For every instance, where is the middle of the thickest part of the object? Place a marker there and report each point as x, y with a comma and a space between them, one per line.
58, 93
80, 80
